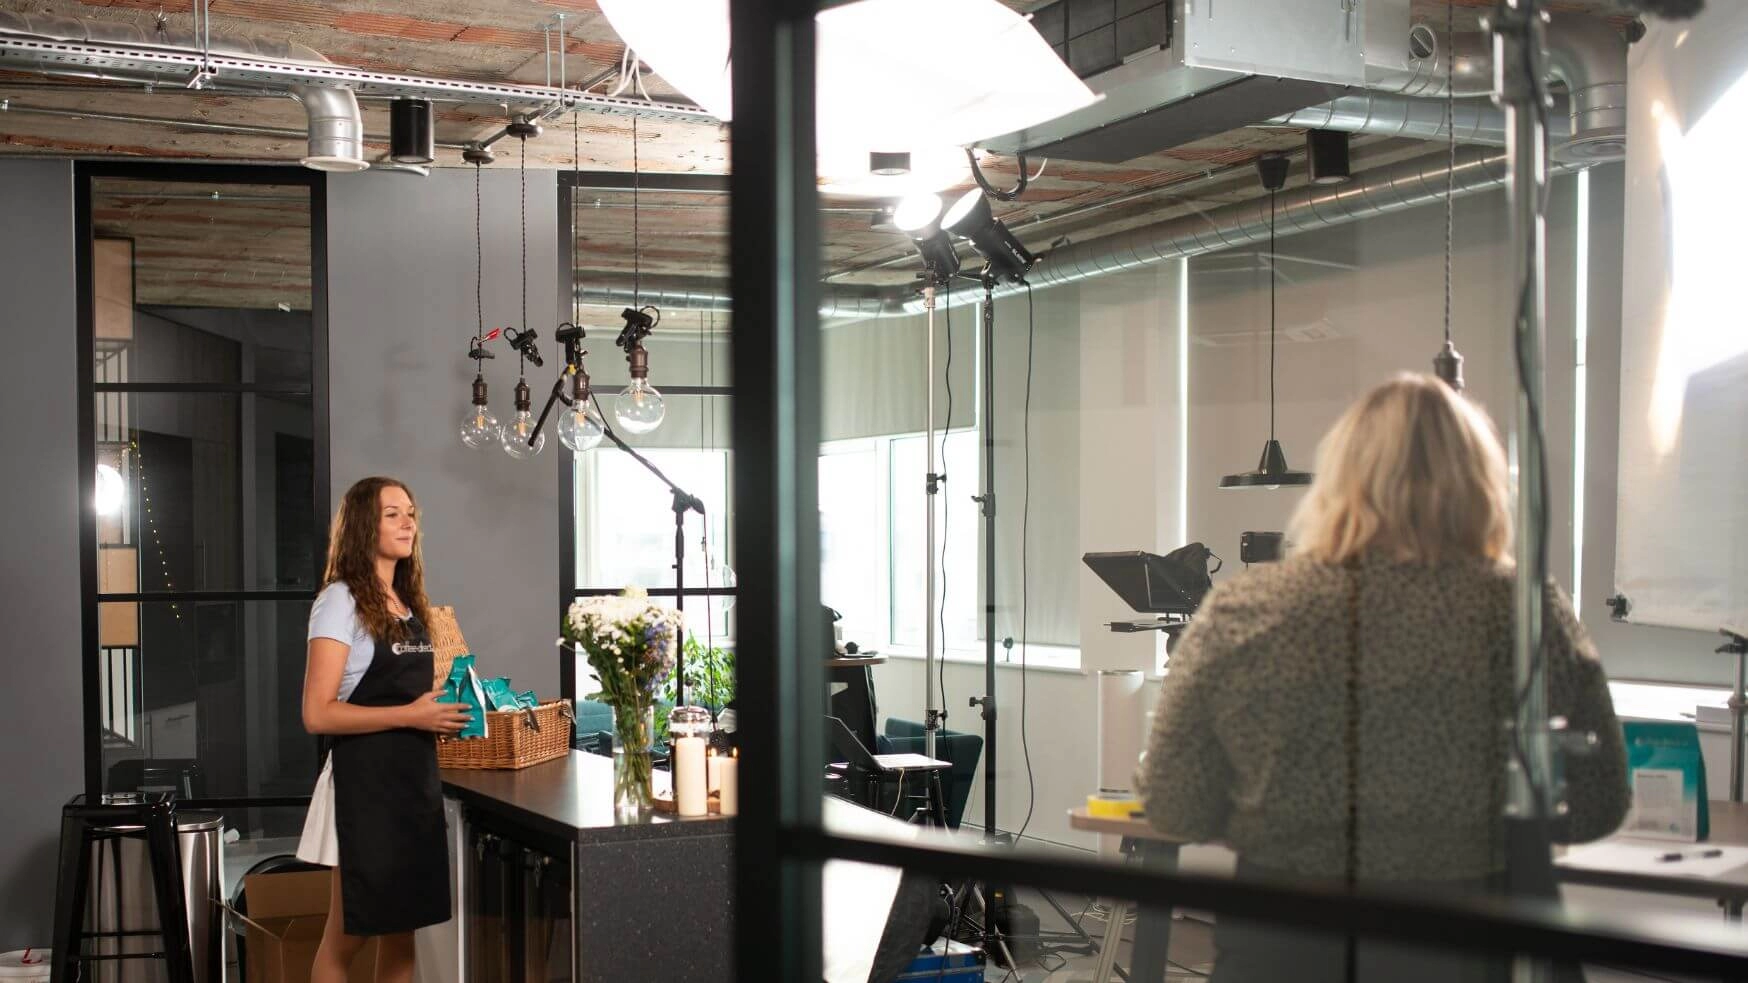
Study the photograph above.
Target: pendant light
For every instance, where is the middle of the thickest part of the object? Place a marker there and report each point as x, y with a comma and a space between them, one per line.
1271, 470
639, 407
1448, 363
520, 437
479, 428
580, 427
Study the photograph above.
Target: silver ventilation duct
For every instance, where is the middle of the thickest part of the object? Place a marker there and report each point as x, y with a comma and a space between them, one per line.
336, 129
1380, 114
1381, 191
1591, 58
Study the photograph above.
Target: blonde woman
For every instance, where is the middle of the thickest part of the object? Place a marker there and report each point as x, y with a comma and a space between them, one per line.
1340, 714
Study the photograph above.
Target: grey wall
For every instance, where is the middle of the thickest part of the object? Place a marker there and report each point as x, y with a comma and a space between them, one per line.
39, 515
400, 312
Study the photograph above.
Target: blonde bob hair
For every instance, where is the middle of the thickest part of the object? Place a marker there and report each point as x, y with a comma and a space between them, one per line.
1412, 472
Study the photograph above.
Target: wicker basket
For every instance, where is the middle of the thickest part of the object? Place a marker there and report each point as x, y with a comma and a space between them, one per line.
514, 738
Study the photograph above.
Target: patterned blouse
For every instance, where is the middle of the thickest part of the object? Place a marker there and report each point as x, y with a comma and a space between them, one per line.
1251, 743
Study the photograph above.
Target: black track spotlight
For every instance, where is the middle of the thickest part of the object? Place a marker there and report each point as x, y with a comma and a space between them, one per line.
918, 216
1326, 156
970, 218
411, 139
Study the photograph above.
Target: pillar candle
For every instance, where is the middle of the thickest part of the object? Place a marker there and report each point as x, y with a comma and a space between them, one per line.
729, 772
713, 770
690, 798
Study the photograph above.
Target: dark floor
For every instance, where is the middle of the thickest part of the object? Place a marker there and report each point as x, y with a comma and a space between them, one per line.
1192, 946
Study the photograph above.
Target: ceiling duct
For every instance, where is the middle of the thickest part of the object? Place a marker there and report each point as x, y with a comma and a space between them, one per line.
336, 129
1380, 191
1180, 70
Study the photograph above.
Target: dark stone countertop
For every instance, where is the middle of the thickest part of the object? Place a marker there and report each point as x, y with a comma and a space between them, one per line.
571, 797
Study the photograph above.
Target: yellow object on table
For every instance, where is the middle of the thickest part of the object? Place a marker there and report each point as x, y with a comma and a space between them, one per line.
1113, 806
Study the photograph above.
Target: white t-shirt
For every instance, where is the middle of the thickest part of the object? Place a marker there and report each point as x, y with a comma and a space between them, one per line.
335, 615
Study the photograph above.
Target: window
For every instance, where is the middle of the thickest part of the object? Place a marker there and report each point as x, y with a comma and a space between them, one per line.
208, 508
625, 527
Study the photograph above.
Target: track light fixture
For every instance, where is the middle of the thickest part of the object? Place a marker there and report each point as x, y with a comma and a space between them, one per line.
1271, 469
411, 139
1003, 253
918, 216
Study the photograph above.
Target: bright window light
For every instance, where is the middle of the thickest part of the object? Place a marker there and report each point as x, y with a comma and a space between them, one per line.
111, 490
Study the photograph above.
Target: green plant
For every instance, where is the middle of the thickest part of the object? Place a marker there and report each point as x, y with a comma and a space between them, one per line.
709, 681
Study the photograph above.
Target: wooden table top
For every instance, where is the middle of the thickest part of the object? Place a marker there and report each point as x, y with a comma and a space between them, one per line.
852, 662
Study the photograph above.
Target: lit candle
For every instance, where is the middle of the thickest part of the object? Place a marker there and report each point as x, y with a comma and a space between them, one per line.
730, 776
713, 770
690, 797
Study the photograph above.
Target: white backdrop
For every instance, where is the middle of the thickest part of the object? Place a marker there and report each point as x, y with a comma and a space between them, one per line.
1682, 543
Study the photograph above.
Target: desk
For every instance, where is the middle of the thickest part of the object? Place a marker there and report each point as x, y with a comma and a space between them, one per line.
1156, 852
1729, 827
855, 662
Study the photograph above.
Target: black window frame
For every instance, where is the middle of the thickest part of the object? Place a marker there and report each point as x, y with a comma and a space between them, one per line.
569, 183
85, 172
780, 841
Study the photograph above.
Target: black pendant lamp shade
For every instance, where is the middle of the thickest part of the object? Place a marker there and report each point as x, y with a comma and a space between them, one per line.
1271, 470
411, 139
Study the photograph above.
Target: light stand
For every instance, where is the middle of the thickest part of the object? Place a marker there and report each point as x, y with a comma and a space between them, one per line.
571, 337
1738, 647
682, 503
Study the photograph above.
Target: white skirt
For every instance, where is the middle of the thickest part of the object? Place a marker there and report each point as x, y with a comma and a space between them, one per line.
320, 843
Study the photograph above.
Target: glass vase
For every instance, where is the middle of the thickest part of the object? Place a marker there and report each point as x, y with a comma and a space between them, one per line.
633, 762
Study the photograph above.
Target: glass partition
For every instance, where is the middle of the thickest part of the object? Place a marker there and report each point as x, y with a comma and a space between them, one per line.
211, 482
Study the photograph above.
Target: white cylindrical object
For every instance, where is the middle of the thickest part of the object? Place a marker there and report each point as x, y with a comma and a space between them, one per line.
712, 770
690, 795
730, 775
1121, 715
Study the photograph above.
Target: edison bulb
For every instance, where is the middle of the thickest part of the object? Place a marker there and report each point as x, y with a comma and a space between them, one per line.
515, 436
579, 428
639, 408
479, 427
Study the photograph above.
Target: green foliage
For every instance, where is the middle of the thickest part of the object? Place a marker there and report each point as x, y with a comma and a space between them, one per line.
709, 681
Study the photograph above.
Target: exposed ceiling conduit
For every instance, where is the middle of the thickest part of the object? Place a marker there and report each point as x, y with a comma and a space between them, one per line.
1584, 53
336, 130
1385, 115
1380, 191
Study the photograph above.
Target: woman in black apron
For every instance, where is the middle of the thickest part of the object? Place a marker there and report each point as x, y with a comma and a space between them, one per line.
376, 814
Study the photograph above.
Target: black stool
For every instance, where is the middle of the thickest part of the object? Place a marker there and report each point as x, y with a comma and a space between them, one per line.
151, 816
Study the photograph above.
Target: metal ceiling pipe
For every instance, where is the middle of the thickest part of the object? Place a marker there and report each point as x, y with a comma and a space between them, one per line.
1419, 68
336, 139
1373, 193
1382, 114
1590, 57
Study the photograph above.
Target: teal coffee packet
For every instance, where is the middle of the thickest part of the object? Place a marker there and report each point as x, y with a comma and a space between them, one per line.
463, 686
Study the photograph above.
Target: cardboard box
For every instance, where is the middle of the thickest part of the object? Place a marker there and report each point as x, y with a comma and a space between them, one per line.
287, 913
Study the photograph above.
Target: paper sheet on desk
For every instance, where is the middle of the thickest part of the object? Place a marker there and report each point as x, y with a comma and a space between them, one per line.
1640, 857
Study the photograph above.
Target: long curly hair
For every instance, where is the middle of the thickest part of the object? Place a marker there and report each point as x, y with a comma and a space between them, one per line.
352, 552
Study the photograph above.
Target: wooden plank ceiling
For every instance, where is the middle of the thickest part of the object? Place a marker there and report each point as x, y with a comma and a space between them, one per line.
243, 248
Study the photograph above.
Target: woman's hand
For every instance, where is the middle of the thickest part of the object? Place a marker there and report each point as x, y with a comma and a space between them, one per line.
425, 713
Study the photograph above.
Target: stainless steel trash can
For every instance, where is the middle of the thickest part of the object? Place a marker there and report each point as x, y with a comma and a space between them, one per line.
121, 901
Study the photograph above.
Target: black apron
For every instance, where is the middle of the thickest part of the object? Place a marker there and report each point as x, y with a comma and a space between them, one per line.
388, 802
